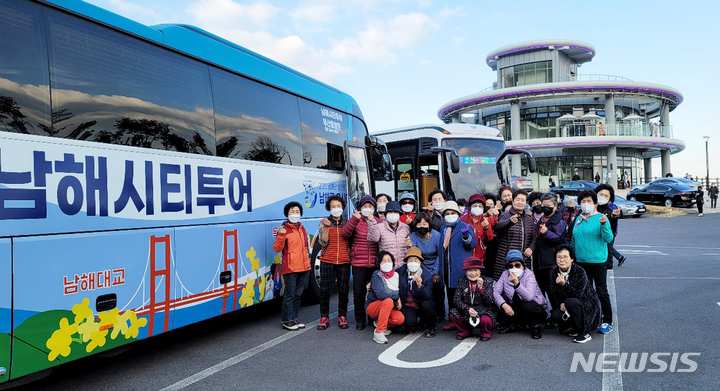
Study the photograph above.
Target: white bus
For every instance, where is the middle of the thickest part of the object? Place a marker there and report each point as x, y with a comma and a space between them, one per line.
460, 159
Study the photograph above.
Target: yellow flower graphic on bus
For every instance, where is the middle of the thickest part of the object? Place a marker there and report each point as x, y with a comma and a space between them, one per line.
92, 331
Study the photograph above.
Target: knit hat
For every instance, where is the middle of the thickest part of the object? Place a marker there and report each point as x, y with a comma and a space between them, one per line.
513, 255
366, 199
411, 197
393, 206
570, 203
475, 198
473, 263
414, 252
451, 205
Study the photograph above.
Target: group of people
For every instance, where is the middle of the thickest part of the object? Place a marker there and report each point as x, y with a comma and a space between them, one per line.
512, 261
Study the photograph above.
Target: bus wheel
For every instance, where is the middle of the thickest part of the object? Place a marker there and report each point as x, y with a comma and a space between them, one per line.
311, 296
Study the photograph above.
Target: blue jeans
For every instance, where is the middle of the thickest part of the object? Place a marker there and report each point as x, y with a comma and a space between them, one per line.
294, 286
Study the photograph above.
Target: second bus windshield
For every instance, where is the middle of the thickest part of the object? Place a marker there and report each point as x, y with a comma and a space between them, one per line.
477, 167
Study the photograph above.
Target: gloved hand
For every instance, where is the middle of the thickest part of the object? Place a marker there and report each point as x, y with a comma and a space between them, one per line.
465, 231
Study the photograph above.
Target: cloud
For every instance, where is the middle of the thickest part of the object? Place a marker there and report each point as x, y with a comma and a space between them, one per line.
381, 41
229, 14
425, 3
316, 12
458, 39
130, 8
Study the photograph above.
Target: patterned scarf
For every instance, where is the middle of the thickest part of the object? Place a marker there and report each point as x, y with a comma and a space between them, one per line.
585, 217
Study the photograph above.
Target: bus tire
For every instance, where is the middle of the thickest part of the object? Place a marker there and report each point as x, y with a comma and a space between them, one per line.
311, 296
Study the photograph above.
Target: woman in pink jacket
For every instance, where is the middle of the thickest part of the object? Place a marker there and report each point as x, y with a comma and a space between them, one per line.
391, 235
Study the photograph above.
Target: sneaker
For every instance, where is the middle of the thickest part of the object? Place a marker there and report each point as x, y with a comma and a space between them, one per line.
324, 323
298, 324
342, 321
621, 261
379, 337
573, 333
387, 332
430, 333
289, 326
582, 339
700, 215
606, 328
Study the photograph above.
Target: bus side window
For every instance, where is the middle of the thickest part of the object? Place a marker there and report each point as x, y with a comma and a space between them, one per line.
324, 131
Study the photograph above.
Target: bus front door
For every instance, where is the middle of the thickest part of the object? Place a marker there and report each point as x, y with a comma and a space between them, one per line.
358, 174
5, 308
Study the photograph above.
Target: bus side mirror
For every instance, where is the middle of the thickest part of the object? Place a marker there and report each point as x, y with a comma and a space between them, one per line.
452, 154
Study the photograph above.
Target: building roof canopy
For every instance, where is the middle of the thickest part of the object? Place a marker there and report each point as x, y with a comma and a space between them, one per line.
579, 51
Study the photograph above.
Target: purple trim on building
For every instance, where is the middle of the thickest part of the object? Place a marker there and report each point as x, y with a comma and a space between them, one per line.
558, 89
597, 143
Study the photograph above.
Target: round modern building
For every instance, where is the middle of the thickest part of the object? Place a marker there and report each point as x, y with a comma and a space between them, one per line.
585, 124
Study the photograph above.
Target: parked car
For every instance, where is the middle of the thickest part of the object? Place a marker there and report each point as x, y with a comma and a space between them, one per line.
664, 194
521, 182
575, 187
675, 180
629, 208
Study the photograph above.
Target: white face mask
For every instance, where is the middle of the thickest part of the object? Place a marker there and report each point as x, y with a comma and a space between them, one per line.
462, 209
476, 210
366, 211
381, 206
407, 208
413, 267
516, 271
438, 206
587, 208
336, 212
392, 217
294, 218
451, 219
386, 267
602, 201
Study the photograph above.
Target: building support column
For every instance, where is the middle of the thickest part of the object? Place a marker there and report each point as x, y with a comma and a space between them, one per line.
455, 119
610, 115
648, 170
612, 165
665, 114
515, 135
665, 161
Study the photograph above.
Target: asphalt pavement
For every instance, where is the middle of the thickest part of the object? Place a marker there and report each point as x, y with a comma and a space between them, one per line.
667, 304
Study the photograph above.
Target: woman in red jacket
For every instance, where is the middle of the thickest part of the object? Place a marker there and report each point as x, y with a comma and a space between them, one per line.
292, 241
362, 255
481, 225
334, 262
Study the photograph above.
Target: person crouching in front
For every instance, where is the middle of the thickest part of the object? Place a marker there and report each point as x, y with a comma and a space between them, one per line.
416, 293
383, 303
474, 302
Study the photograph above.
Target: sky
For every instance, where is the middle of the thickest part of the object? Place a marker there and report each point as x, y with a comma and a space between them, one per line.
403, 59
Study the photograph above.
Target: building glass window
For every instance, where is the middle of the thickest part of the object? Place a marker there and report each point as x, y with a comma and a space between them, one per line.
526, 74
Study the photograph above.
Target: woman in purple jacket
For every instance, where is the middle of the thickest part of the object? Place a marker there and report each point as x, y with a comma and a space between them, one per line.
519, 298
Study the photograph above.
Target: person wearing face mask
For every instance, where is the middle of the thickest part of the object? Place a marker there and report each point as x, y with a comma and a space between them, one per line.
535, 207
459, 242
416, 293
474, 301
382, 200
569, 215
578, 311
383, 298
551, 233
390, 235
560, 202
428, 241
591, 234
491, 247
435, 206
516, 230
462, 206
519, 298
409, 207
481, 225
334, 262
292, 242
362, 255
606, 205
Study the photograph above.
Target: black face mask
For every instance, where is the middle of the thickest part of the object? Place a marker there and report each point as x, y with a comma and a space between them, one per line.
547, 211
506, 204
537, 209
486, 209
422, 231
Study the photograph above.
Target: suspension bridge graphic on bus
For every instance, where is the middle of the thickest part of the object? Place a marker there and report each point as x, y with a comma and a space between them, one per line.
232, 281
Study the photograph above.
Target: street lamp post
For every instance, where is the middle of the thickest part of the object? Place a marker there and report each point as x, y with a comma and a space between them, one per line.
707, 164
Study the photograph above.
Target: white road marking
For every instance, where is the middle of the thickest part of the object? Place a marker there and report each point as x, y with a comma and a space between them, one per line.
643, 252
612, 381
669, 278
690, 248
711, 254
389, 356
190, 380
632, 245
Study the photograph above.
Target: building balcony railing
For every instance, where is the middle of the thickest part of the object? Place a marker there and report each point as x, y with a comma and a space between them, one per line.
620, 129
592, 77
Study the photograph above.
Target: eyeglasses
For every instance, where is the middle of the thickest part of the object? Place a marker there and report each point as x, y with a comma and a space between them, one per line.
516, 265
407, 203
563, 257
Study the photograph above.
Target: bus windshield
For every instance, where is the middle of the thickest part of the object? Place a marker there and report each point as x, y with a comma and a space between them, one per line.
477, 167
